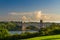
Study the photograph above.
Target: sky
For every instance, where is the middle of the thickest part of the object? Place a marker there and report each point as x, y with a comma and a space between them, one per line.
29, 10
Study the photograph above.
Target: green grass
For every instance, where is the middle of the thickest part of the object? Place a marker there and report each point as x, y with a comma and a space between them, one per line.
53, 37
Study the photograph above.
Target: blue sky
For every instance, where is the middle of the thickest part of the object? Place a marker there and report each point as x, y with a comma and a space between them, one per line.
46, 6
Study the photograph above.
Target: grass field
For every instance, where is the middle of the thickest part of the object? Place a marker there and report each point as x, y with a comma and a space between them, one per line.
53, 37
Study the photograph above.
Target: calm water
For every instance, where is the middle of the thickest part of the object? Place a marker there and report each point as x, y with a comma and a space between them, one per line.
19, 32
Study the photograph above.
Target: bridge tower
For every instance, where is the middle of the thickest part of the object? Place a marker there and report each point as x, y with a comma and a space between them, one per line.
41, 23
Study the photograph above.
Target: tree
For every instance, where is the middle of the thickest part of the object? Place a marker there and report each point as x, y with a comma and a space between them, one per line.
31, 27
3, 33
10, 26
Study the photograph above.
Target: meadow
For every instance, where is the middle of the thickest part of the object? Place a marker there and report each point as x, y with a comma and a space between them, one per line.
52, 37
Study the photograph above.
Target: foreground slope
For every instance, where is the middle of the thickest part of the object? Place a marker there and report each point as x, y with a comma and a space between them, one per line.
52, 37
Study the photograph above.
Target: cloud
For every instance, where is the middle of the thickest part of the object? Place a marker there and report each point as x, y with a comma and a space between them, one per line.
13, 13
38, 15
33, 16
20, 13
24, 18
30, 16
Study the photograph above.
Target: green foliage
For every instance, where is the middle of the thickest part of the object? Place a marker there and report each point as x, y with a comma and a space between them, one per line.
31, 27
51, 30
3, 33
8, 25
51, 37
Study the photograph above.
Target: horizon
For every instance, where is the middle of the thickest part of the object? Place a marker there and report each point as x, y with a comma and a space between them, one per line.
34, 21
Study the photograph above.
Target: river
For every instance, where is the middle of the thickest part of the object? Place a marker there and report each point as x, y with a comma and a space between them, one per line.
19, 32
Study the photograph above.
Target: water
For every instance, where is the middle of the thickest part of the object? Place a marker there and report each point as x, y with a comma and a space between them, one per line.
19, 32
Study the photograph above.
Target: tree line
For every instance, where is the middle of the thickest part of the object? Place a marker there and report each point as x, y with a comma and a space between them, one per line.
53, 29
